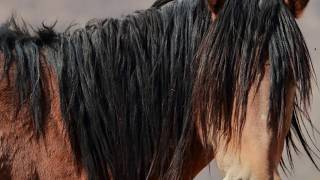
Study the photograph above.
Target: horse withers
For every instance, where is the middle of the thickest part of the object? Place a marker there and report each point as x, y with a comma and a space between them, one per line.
157, 94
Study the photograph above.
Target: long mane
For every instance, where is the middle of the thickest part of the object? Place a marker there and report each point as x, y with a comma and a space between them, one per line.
125, 86
247, 35
130, 88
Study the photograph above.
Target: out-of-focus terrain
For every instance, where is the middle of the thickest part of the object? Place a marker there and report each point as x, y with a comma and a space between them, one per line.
80, 11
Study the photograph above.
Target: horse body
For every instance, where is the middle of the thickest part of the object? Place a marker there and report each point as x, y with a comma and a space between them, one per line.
120, 99
22, 155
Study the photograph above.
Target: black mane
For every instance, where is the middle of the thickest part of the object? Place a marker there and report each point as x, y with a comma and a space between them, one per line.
126, 85
247, 35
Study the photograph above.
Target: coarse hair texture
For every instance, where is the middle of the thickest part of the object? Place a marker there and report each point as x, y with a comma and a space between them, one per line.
247, 35
130, 88
125, 86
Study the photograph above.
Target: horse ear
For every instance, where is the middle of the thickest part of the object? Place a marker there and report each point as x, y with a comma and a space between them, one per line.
215, 5
297, 6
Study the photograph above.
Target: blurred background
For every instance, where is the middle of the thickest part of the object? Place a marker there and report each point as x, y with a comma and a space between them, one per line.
80, 11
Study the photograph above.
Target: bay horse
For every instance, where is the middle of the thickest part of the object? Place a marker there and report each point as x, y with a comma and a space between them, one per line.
157, 94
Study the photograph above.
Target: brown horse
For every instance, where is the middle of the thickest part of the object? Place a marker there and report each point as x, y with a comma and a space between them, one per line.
157, 94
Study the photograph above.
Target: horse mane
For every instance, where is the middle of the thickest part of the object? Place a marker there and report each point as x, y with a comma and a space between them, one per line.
247, 35
125, 86
160, 3
130, 88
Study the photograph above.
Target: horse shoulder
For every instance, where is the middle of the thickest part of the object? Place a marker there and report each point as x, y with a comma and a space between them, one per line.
24, 155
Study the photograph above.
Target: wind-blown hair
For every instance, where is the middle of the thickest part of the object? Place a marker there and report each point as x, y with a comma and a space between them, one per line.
130, 88
247, 35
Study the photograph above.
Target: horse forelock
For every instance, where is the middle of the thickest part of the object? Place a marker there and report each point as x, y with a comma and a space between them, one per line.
247, 35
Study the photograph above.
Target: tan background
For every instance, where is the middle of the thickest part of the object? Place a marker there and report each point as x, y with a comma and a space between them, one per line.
80, 11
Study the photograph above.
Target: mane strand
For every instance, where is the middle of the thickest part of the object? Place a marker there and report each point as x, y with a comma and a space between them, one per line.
132, 88
125, 87
247, 35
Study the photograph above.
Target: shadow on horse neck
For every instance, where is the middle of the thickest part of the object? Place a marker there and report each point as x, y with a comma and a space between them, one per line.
155, 94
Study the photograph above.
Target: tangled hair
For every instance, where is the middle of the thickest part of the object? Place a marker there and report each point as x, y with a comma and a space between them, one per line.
125, 86
247, 35
130, 88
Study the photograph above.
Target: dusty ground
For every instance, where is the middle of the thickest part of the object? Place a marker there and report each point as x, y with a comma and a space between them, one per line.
67, 11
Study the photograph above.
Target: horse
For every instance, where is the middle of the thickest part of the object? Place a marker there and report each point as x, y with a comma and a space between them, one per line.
157, 94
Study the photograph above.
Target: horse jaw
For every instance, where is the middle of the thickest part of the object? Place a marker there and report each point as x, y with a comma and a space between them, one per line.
260, 150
